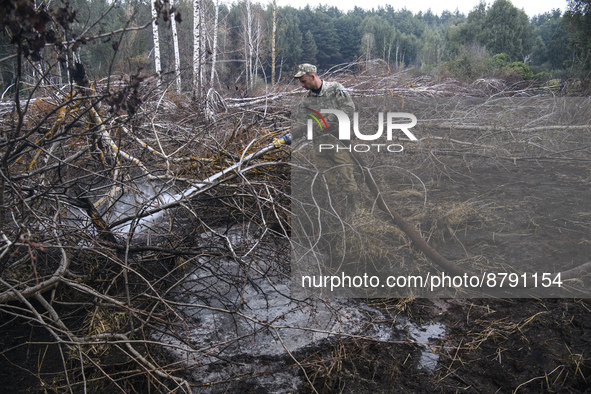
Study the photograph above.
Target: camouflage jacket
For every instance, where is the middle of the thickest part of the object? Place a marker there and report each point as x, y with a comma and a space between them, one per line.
332, 95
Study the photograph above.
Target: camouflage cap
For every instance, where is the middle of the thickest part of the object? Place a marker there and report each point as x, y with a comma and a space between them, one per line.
304, 69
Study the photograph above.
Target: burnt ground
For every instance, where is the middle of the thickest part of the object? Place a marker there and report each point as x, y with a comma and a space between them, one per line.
491, 346
537, 215
520, 210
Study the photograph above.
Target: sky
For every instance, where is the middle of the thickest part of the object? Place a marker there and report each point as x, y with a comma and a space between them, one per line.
531, 7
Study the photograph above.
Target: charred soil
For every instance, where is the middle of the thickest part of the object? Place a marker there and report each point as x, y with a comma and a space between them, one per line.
491, 346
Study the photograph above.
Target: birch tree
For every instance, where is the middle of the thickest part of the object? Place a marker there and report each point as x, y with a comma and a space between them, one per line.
215, 41
253, 36
248, 43
198, 49
156, 39
175, 43
257, 51
273, 44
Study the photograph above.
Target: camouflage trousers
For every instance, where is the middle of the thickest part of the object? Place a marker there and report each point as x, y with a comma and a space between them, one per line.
336, 164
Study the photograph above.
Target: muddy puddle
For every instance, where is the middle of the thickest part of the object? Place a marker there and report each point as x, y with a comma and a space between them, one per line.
252, 336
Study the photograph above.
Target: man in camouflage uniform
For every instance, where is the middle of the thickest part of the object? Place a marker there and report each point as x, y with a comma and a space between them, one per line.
336, 164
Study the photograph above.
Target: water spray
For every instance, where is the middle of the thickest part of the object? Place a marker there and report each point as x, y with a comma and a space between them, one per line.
153, 216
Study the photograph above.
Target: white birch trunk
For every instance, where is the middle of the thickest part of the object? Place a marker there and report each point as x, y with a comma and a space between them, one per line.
69, 64
389, 54
257, 58
197, 49
215, 42
177, 56
157, 65
249, 45
202, 40
273, 46
281, 68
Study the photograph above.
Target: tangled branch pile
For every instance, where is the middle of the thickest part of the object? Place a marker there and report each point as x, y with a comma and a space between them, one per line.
77, 260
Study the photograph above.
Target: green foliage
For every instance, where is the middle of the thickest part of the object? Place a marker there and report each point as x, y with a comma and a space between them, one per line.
539, 51
558, 47
309, 49
543, 76
100, 53
327, 36
347, 27
578, 24
551, 44
521, 69
502, 28
379, 29
506, 29
433, 47
499, 60
289, 37
327, 40
472, 62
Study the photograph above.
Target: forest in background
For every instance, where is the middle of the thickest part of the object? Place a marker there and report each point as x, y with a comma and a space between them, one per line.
244, 45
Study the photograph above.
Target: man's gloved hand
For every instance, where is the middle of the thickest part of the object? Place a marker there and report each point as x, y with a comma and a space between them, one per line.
285, 139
